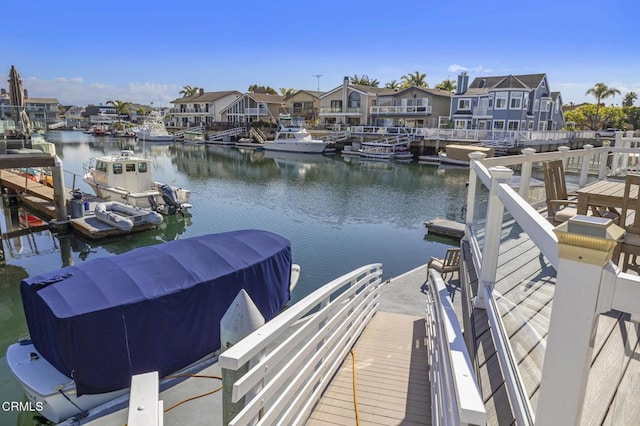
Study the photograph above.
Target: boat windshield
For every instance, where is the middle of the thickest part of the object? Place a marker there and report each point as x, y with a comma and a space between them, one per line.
291, 122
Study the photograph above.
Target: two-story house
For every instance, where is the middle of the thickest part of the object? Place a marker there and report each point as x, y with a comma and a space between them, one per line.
511, 102
410, 107
42, 111
348, 104
252, 107
201, 109
303, 103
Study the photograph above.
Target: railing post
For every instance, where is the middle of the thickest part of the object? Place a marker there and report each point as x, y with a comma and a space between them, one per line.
584, 170
495, 213
585, 247
564, 150
471, 189
525, 175
623, 143
604, 157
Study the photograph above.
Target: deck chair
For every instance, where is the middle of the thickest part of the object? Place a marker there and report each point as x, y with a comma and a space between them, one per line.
450, 263
629, 248
559, 207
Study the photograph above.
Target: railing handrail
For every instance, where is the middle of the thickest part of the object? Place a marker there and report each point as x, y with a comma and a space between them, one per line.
455, 393
317, 331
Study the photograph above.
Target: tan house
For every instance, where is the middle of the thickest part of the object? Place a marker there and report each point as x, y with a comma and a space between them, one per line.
43, 111
410, 107
303, 103
202, 109
348, 104
252, 107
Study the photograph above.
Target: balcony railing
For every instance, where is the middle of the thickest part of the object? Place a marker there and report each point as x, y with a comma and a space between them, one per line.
401, 110
190, 111
337, 110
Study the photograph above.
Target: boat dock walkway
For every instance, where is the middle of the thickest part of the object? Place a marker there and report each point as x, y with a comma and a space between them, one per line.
445, 227
391, 370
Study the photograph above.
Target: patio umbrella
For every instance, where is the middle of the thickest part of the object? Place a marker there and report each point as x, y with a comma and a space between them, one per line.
16, 98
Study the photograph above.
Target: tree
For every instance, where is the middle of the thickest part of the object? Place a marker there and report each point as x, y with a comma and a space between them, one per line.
447, 85
594, 118
415, 79
601, 91
287, 92
122, 108
629, 99
254, 88
188, 91
393, 85
364, 81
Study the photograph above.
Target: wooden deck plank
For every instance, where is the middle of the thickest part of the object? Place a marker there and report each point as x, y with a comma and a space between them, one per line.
392, 377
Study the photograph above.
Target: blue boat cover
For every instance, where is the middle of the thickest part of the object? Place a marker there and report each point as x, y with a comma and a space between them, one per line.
155, 308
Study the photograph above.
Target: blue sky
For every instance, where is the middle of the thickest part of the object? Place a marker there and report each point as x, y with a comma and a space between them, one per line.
143, 51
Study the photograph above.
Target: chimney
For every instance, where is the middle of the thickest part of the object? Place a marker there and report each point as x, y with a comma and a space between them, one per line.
26, 94
201, 92
463, 83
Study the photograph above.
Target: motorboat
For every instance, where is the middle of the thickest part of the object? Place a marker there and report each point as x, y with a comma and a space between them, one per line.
292, 136
395, 150
95, 324
153, 129
125, 217
459, 154
127, 178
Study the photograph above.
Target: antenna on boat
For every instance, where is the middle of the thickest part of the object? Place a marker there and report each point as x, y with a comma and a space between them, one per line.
318, 77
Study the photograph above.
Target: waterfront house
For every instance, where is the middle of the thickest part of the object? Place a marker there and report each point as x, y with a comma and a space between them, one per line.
410, 107
252, 107
348, 104
303, 103
43, 111
200, 109
509, 102
101, 114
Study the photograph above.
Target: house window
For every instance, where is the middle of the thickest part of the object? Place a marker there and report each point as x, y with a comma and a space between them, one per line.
536, 104
513, 125
464, 104
354, 100
545, 106
336, 106
498, 124
541, 125
101, 166
501, 100
530, 126
516, 101
462, 124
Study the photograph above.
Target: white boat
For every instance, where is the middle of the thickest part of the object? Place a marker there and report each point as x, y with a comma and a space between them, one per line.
459, 154
387, 150
125, 217
158, 308
127, 178
292, 136
153, 129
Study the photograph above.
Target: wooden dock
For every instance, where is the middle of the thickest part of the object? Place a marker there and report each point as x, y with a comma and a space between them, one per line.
392, 377
445, 227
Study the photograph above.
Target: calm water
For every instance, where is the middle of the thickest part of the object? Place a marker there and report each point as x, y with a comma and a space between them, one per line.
338, 215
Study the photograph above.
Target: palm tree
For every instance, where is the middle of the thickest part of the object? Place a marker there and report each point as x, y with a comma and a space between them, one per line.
447, 85
629, 99
188, 91
287, 92
122, 108
364, 81
254, 88
393, 85
601, 91
415, 79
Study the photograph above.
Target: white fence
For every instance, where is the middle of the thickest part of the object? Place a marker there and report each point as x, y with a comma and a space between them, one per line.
568, 352
307, 343
455, 398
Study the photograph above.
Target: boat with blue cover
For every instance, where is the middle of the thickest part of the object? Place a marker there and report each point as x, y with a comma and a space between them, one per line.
158, 308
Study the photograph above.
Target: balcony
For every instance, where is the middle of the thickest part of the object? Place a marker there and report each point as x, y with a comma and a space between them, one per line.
188, 111
482, 111
401, 110
338, 110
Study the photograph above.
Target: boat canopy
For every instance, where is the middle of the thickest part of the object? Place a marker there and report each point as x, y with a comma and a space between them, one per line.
156, 308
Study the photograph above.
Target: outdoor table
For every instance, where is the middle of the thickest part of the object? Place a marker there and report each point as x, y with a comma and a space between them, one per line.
603, 194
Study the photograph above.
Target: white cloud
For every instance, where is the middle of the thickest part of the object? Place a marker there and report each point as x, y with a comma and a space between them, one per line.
75, 91
479, 69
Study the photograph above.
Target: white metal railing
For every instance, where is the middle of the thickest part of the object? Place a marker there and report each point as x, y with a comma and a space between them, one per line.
292, 358
616, 290
455, 397
225, 133
409, 110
